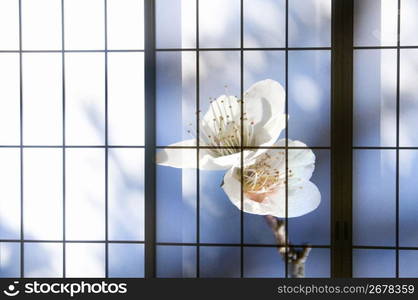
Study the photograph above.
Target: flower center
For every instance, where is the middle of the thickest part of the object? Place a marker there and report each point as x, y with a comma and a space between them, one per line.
223, 132
265, 176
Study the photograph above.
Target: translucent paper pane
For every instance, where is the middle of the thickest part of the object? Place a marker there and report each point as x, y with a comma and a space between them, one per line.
260, 65
219, 23
375, 22
126, 194
257, 231
126, 260
219, 262
409, 23
314, 227
375, 98
85, 194
176, 200
41, 25
9, 18
85, 98
126, 98
125, 24
180, 31
263, 263
264, 23
408, 205
374, 194
10, 260
309, 96
42, 189
219, 73
318, 264
43, 260
408, 134
9, 99
42, 99
309, 23
176, 262
85, 260
9, 193
84, 24
374, 263
176, 96
408, 263
217, 213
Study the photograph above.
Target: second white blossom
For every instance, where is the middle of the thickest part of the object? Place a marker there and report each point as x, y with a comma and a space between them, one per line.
264, 182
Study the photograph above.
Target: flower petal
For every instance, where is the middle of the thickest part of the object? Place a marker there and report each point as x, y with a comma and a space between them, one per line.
210, 162
263, 101
303, 197
268, 134
301, 161
186, 157
178, 157
228, 161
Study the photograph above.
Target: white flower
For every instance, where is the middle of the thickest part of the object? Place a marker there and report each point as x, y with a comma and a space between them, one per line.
264, 183
220, 128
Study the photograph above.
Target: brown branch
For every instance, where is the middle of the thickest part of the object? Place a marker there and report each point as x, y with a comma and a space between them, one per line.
296, 258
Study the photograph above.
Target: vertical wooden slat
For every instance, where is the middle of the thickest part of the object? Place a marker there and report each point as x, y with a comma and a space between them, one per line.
342, 136
150, 138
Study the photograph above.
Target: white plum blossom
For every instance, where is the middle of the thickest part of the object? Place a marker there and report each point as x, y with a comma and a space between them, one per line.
258, 121
220, 135
264, 182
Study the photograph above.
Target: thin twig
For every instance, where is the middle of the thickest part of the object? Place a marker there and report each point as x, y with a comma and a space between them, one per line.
296, 258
